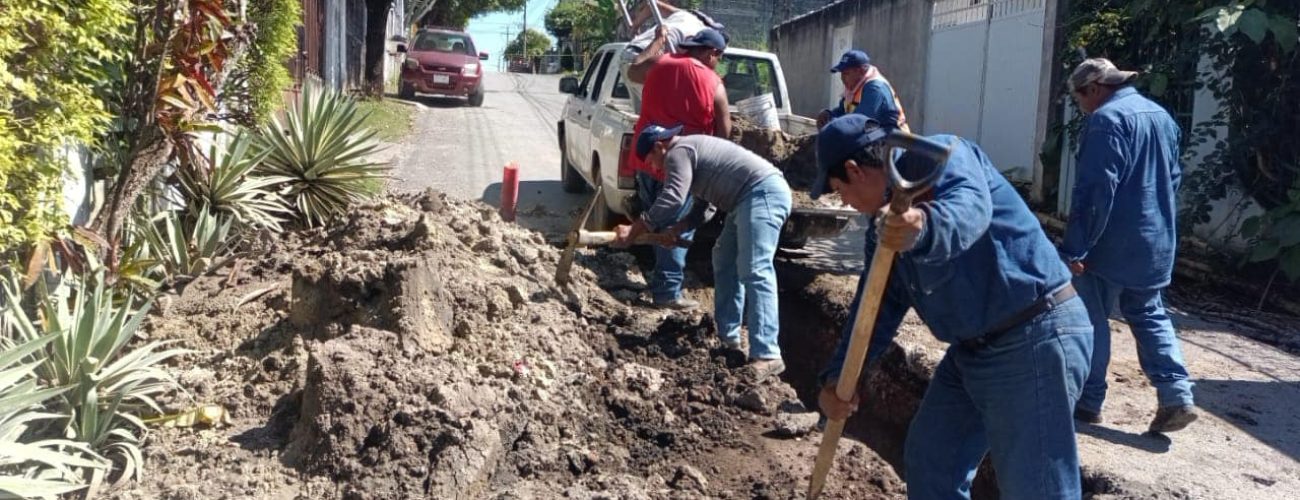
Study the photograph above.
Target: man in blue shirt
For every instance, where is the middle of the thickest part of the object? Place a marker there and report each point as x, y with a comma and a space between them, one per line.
1121, 237
978, 269
866, 92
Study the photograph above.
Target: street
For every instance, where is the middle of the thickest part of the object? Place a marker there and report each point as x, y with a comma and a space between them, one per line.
461, 150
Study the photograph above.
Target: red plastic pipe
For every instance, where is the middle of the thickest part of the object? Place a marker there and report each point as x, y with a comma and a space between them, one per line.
509, 191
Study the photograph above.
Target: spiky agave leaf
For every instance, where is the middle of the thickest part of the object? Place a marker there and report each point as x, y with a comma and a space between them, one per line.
319, 156
229, 185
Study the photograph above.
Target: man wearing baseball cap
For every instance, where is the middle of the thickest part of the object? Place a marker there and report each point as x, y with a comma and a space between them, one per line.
757, 201
644, 50
682, 89
1121, 237
977, 267
866, 92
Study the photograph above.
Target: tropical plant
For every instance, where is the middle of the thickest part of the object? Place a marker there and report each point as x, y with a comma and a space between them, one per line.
107, 385
186, 243
227, 184
31, 467
320, 156
265, 76
537, 44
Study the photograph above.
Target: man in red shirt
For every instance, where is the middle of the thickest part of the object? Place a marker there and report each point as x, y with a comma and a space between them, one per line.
680, 89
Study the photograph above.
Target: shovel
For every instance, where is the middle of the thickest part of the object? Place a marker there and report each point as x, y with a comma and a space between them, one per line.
582, 238
903, 192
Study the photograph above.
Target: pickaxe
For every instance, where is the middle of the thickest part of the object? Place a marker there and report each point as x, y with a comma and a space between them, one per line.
902, 191
579, 237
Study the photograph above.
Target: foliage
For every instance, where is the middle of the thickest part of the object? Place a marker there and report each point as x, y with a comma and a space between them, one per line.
588, 23
186, 244
107, 385
56, 58
33, 468
456, 13
529, 43
225, 183
320, 156
276, 42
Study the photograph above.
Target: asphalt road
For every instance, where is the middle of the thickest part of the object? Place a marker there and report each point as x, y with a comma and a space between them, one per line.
462, 150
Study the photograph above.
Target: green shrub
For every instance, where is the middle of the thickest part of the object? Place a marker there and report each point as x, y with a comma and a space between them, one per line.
275, 44
320, 157
229, 186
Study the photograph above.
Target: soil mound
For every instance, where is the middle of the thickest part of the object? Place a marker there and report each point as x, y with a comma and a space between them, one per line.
422, 350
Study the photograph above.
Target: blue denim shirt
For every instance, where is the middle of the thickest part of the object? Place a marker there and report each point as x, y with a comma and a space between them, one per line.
1122, 214
981, 258
877, 103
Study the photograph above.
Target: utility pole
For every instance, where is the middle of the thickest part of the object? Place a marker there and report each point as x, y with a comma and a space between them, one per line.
527, 58
503, 62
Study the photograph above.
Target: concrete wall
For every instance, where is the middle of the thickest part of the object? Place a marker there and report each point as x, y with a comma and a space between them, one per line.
895, 33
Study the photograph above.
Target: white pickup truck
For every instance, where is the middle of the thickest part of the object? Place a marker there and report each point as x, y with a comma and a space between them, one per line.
595, 135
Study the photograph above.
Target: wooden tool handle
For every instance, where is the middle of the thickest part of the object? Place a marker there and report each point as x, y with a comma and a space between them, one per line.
863, 328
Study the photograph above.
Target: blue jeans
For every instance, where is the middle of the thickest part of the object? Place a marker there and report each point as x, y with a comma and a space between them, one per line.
1013, 398
1158, 349
666, 280
743, 267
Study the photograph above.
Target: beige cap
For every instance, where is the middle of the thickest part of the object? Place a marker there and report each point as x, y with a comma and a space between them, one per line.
1099, 70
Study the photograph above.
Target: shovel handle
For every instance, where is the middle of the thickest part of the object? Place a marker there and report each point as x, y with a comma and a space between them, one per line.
659, 21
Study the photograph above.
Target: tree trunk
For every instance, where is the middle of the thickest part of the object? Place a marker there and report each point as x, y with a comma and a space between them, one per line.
376, 45
150, 155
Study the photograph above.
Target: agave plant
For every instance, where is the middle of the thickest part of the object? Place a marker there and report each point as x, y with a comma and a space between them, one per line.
107, 384
186, 244
230, 186
31, 467
320, 156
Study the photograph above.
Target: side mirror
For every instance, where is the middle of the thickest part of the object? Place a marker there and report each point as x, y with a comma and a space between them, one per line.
483, 56
569, 85
401, 48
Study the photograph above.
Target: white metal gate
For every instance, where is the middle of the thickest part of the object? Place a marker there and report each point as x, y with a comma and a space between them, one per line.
983, 76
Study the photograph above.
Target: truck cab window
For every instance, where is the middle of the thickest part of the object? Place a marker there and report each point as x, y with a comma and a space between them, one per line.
586, 78
594, 91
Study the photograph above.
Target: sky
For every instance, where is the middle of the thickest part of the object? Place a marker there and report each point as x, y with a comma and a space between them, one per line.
489, 31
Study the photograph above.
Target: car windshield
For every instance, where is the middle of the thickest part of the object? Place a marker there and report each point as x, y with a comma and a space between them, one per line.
444, 42
745, 77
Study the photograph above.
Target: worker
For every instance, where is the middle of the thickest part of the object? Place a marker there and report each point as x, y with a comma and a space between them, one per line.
866, 92
681, 90
644, 50
757, 201
977, 267
1121, 235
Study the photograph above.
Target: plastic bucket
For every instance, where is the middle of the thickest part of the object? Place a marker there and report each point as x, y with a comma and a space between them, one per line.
761, 110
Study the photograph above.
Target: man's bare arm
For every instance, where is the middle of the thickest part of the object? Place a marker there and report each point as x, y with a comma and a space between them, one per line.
640, 67
721, 112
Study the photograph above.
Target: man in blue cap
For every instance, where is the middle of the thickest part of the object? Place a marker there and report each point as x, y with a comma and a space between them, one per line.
977, 267
757, 201
866, 92
1122, 234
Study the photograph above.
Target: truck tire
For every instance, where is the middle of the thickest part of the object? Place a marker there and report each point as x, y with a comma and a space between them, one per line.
602, 218
569, 178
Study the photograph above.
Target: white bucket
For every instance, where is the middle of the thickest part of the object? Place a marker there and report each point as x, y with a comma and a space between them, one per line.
761, 110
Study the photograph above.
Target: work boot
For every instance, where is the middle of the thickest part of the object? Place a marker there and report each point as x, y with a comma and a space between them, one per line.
763, 369
1173, 418
678, 304
1085, 416
733, 344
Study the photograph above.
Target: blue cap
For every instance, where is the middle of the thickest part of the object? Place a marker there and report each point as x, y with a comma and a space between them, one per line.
838, 141
851, 59
652, 134
707, 37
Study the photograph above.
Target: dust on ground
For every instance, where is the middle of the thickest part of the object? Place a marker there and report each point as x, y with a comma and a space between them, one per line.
422, 349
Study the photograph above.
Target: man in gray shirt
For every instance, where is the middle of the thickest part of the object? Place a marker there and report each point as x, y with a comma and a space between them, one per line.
757, 201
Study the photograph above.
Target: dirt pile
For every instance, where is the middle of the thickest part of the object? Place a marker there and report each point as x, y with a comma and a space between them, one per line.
796, 156
421, 349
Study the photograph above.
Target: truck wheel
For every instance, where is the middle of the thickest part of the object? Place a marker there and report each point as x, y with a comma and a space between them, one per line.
476, 99
406, 91
602, 218
569, 179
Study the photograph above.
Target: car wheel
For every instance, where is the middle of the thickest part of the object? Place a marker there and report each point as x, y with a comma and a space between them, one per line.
406, 91
476, 99
569, 178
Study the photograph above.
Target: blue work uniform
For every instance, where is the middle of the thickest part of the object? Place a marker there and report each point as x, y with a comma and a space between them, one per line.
1006, 386
876, 100
1123, 227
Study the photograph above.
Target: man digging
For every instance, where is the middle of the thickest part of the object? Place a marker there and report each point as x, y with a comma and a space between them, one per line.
757, 201
1122, 234
977, 267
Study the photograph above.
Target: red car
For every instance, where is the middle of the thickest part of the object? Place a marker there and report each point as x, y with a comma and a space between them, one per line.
443, 62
